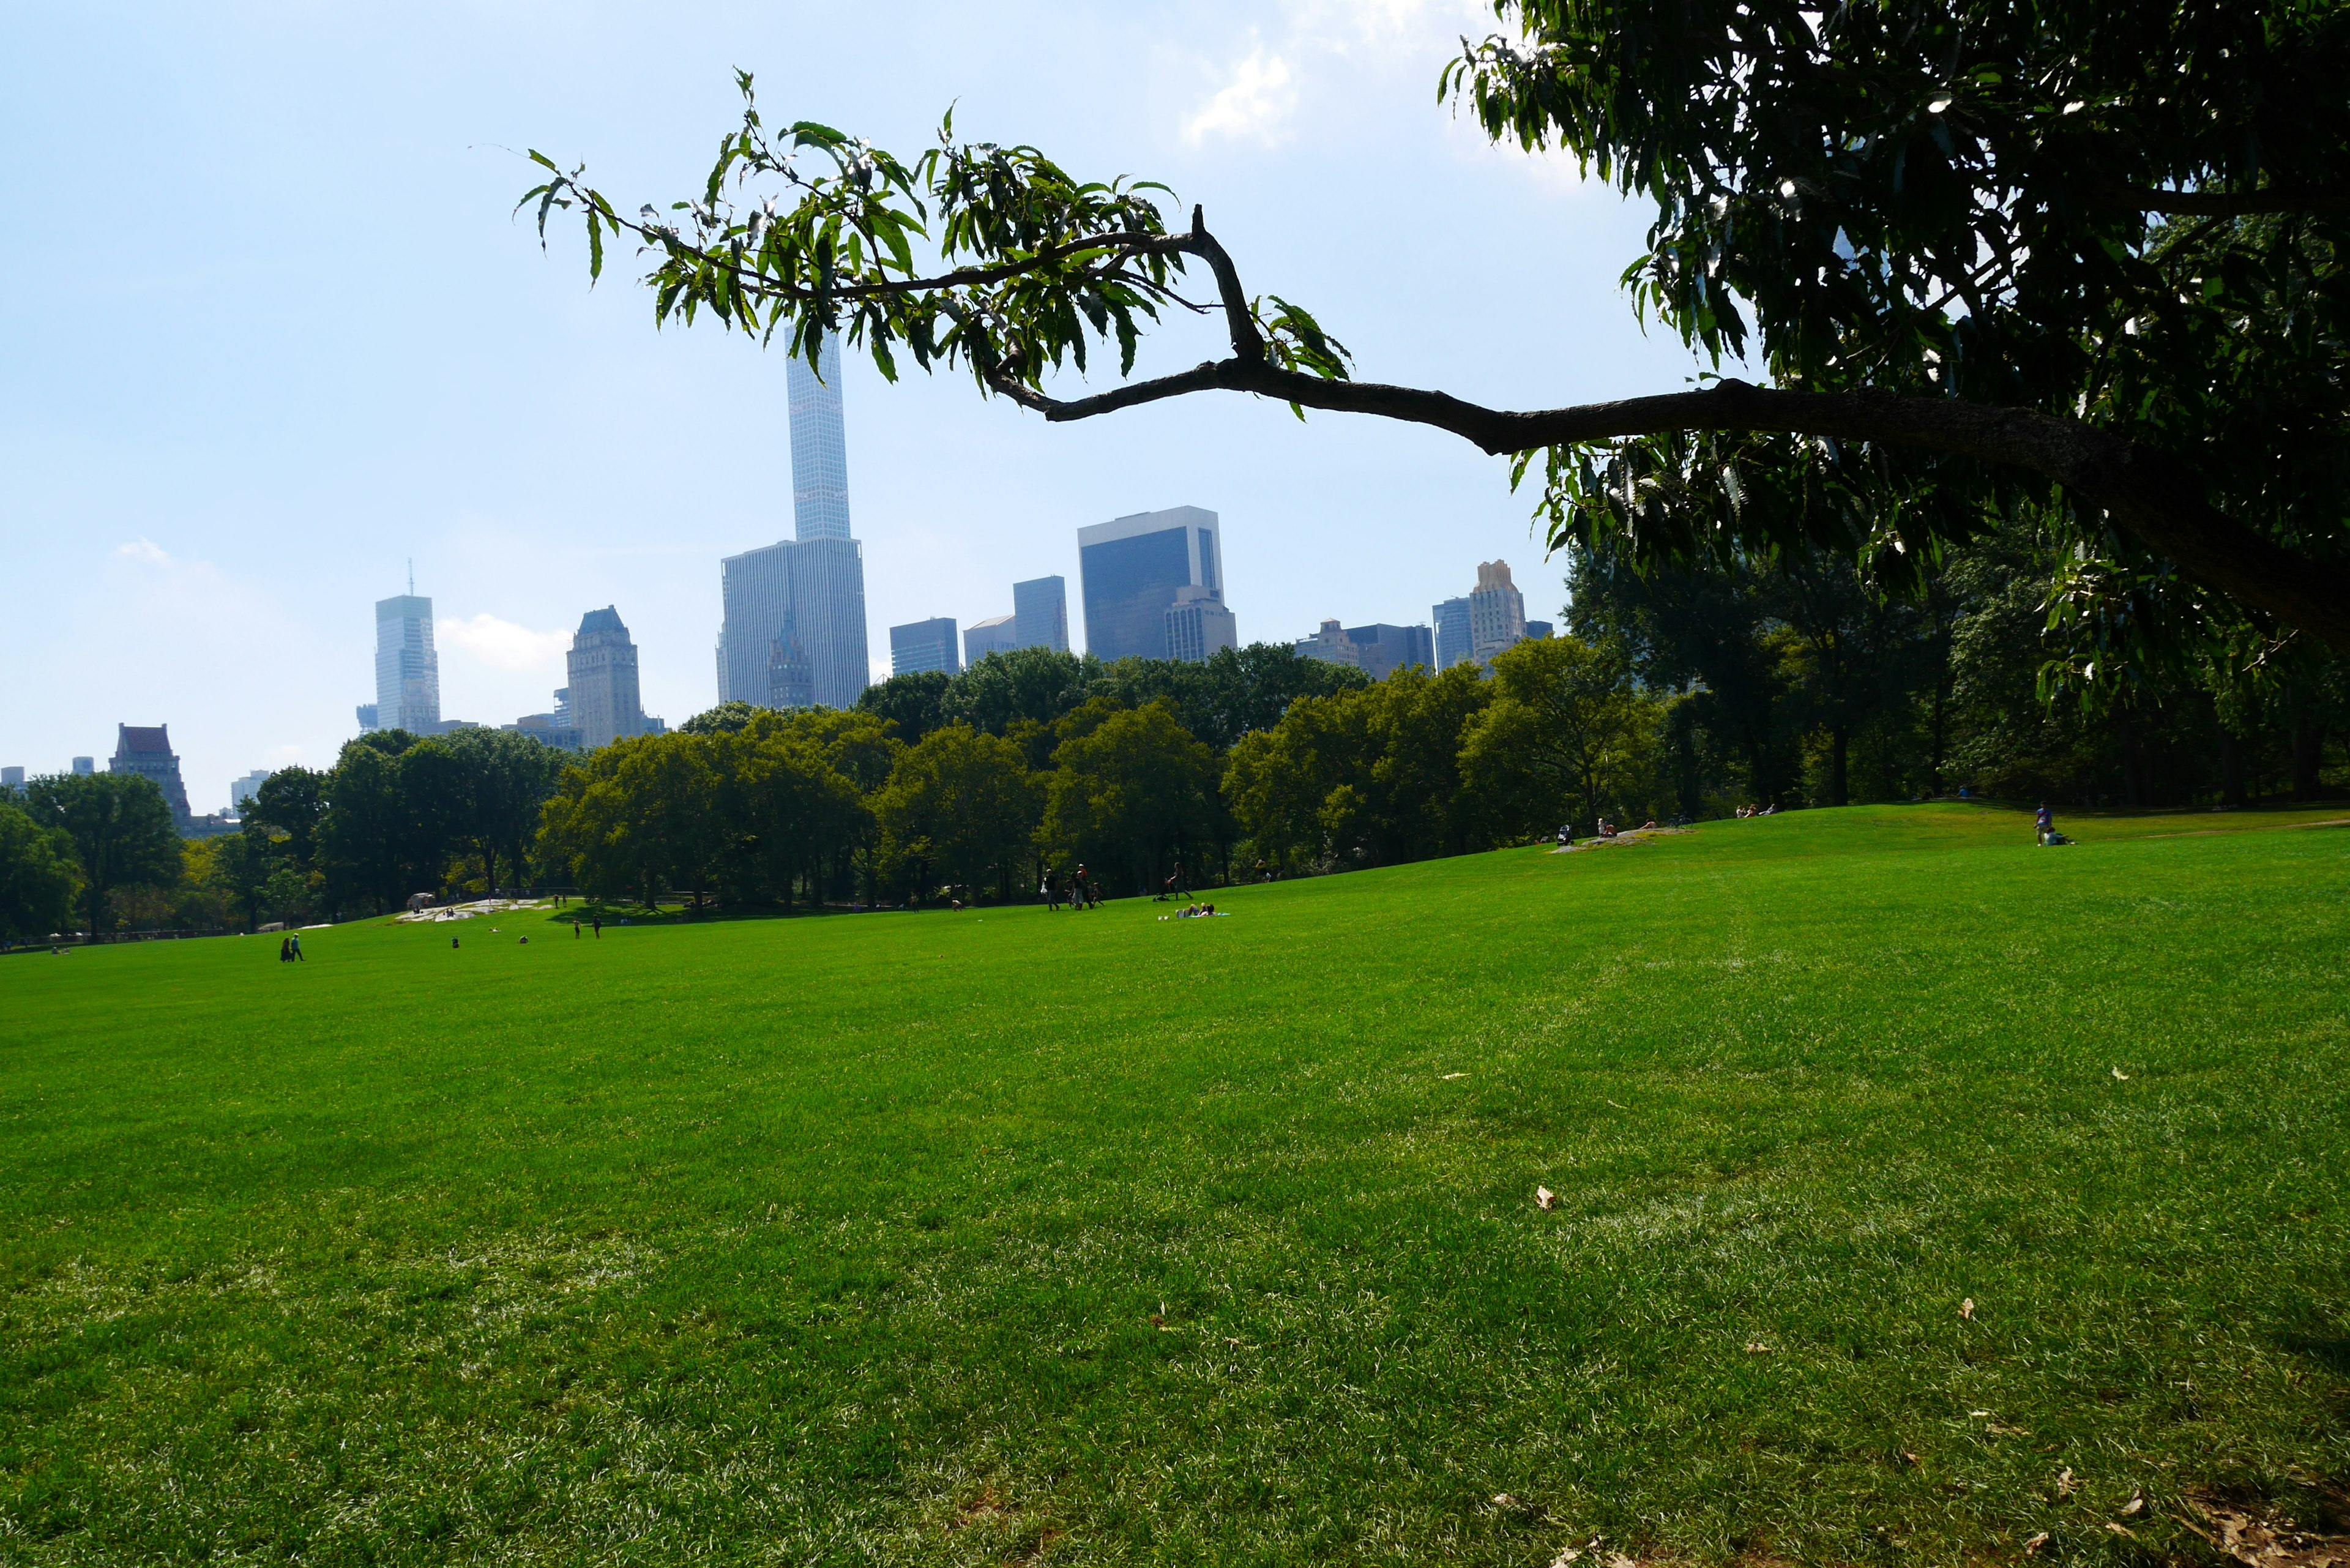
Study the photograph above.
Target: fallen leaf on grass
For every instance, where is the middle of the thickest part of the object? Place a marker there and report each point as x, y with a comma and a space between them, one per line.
1450, 1076
1909, 1459
1967, 1308
2269, 1542
1545, 1198
2120, 1529
2033, 1546
2122, 1075
1566, 1554
2064, 1482
2135, 1503
1756, 1347
2009, 1432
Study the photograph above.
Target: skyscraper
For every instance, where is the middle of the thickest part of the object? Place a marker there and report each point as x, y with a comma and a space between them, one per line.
1452, 617
147, 751
996, 634
1131, 569
819, 448
406, 670
1197, 626
1378, 651
12, 779
924, 645
245, 789
1040, 614
602, 699
1497, 611
84, 766
796, 609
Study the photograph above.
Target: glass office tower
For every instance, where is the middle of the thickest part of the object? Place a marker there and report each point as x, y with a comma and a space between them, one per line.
406, 669
1131, 569
1040, 614
1452, 617
924, 645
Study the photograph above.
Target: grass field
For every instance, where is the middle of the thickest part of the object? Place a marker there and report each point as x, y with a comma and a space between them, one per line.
968, 1238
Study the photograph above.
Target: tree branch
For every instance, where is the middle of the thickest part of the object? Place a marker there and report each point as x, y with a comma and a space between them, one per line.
2234, 205
2146, 492
1247, 346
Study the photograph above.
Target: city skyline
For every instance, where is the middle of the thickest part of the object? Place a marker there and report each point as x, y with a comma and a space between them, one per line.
210, 494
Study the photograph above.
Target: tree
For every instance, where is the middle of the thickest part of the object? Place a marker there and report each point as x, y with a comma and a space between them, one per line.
2087, 254
369, 838
292, 802
1565, 729
496, 789
640, 816
1130, 792
248, 870
726, 719
960, 810
915, 702
1034, 684
121, 829
37, 876
788, 807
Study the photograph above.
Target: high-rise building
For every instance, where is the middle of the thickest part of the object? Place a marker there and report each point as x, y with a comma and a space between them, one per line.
245, 789
1385, 649
819, 447
798, 609
1538, 630
602, 700
1378, 650
1040, 614
1332, 646
12, 779
1497, 611
996, 634
147, 751
406, 669
1131, 569
923, 645
365, 712
1453, 641
1198, 625
84, 766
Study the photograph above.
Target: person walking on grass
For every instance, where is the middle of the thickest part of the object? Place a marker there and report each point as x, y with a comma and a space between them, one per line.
574, 931
599, 927
1049, 889
285, 950
294, 945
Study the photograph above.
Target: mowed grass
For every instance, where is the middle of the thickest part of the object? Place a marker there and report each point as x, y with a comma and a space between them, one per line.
968, 1238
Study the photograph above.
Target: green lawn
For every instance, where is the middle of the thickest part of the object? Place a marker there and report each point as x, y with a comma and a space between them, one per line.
965, 1238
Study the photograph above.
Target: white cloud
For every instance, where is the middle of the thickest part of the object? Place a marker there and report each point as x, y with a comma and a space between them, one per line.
1328, 51
144, 551
1253, 102
501, 644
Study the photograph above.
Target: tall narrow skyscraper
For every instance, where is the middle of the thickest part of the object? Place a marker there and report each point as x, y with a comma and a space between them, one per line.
406, 669
793, 632
819, 448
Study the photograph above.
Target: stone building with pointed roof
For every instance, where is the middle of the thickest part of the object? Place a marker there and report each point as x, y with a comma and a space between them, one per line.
146, 751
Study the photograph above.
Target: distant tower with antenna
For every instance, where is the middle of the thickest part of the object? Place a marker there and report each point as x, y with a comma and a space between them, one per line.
406, 668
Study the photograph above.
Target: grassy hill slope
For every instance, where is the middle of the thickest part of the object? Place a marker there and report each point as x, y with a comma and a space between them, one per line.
961, 1238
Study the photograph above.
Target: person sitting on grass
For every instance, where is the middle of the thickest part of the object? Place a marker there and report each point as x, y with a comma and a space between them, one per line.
2044, 827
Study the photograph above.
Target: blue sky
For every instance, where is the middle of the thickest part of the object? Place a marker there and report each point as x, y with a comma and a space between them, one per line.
267, 332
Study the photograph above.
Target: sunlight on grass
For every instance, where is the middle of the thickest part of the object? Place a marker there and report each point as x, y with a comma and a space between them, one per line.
1004, 1235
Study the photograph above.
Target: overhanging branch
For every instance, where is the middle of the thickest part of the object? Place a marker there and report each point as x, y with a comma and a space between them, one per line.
2143, 491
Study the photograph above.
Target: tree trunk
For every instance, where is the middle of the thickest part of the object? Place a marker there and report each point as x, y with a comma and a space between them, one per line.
2308, 741
2232, 768
1839, 766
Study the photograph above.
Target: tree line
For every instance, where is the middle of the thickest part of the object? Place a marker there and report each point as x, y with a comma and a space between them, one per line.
1792, 679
